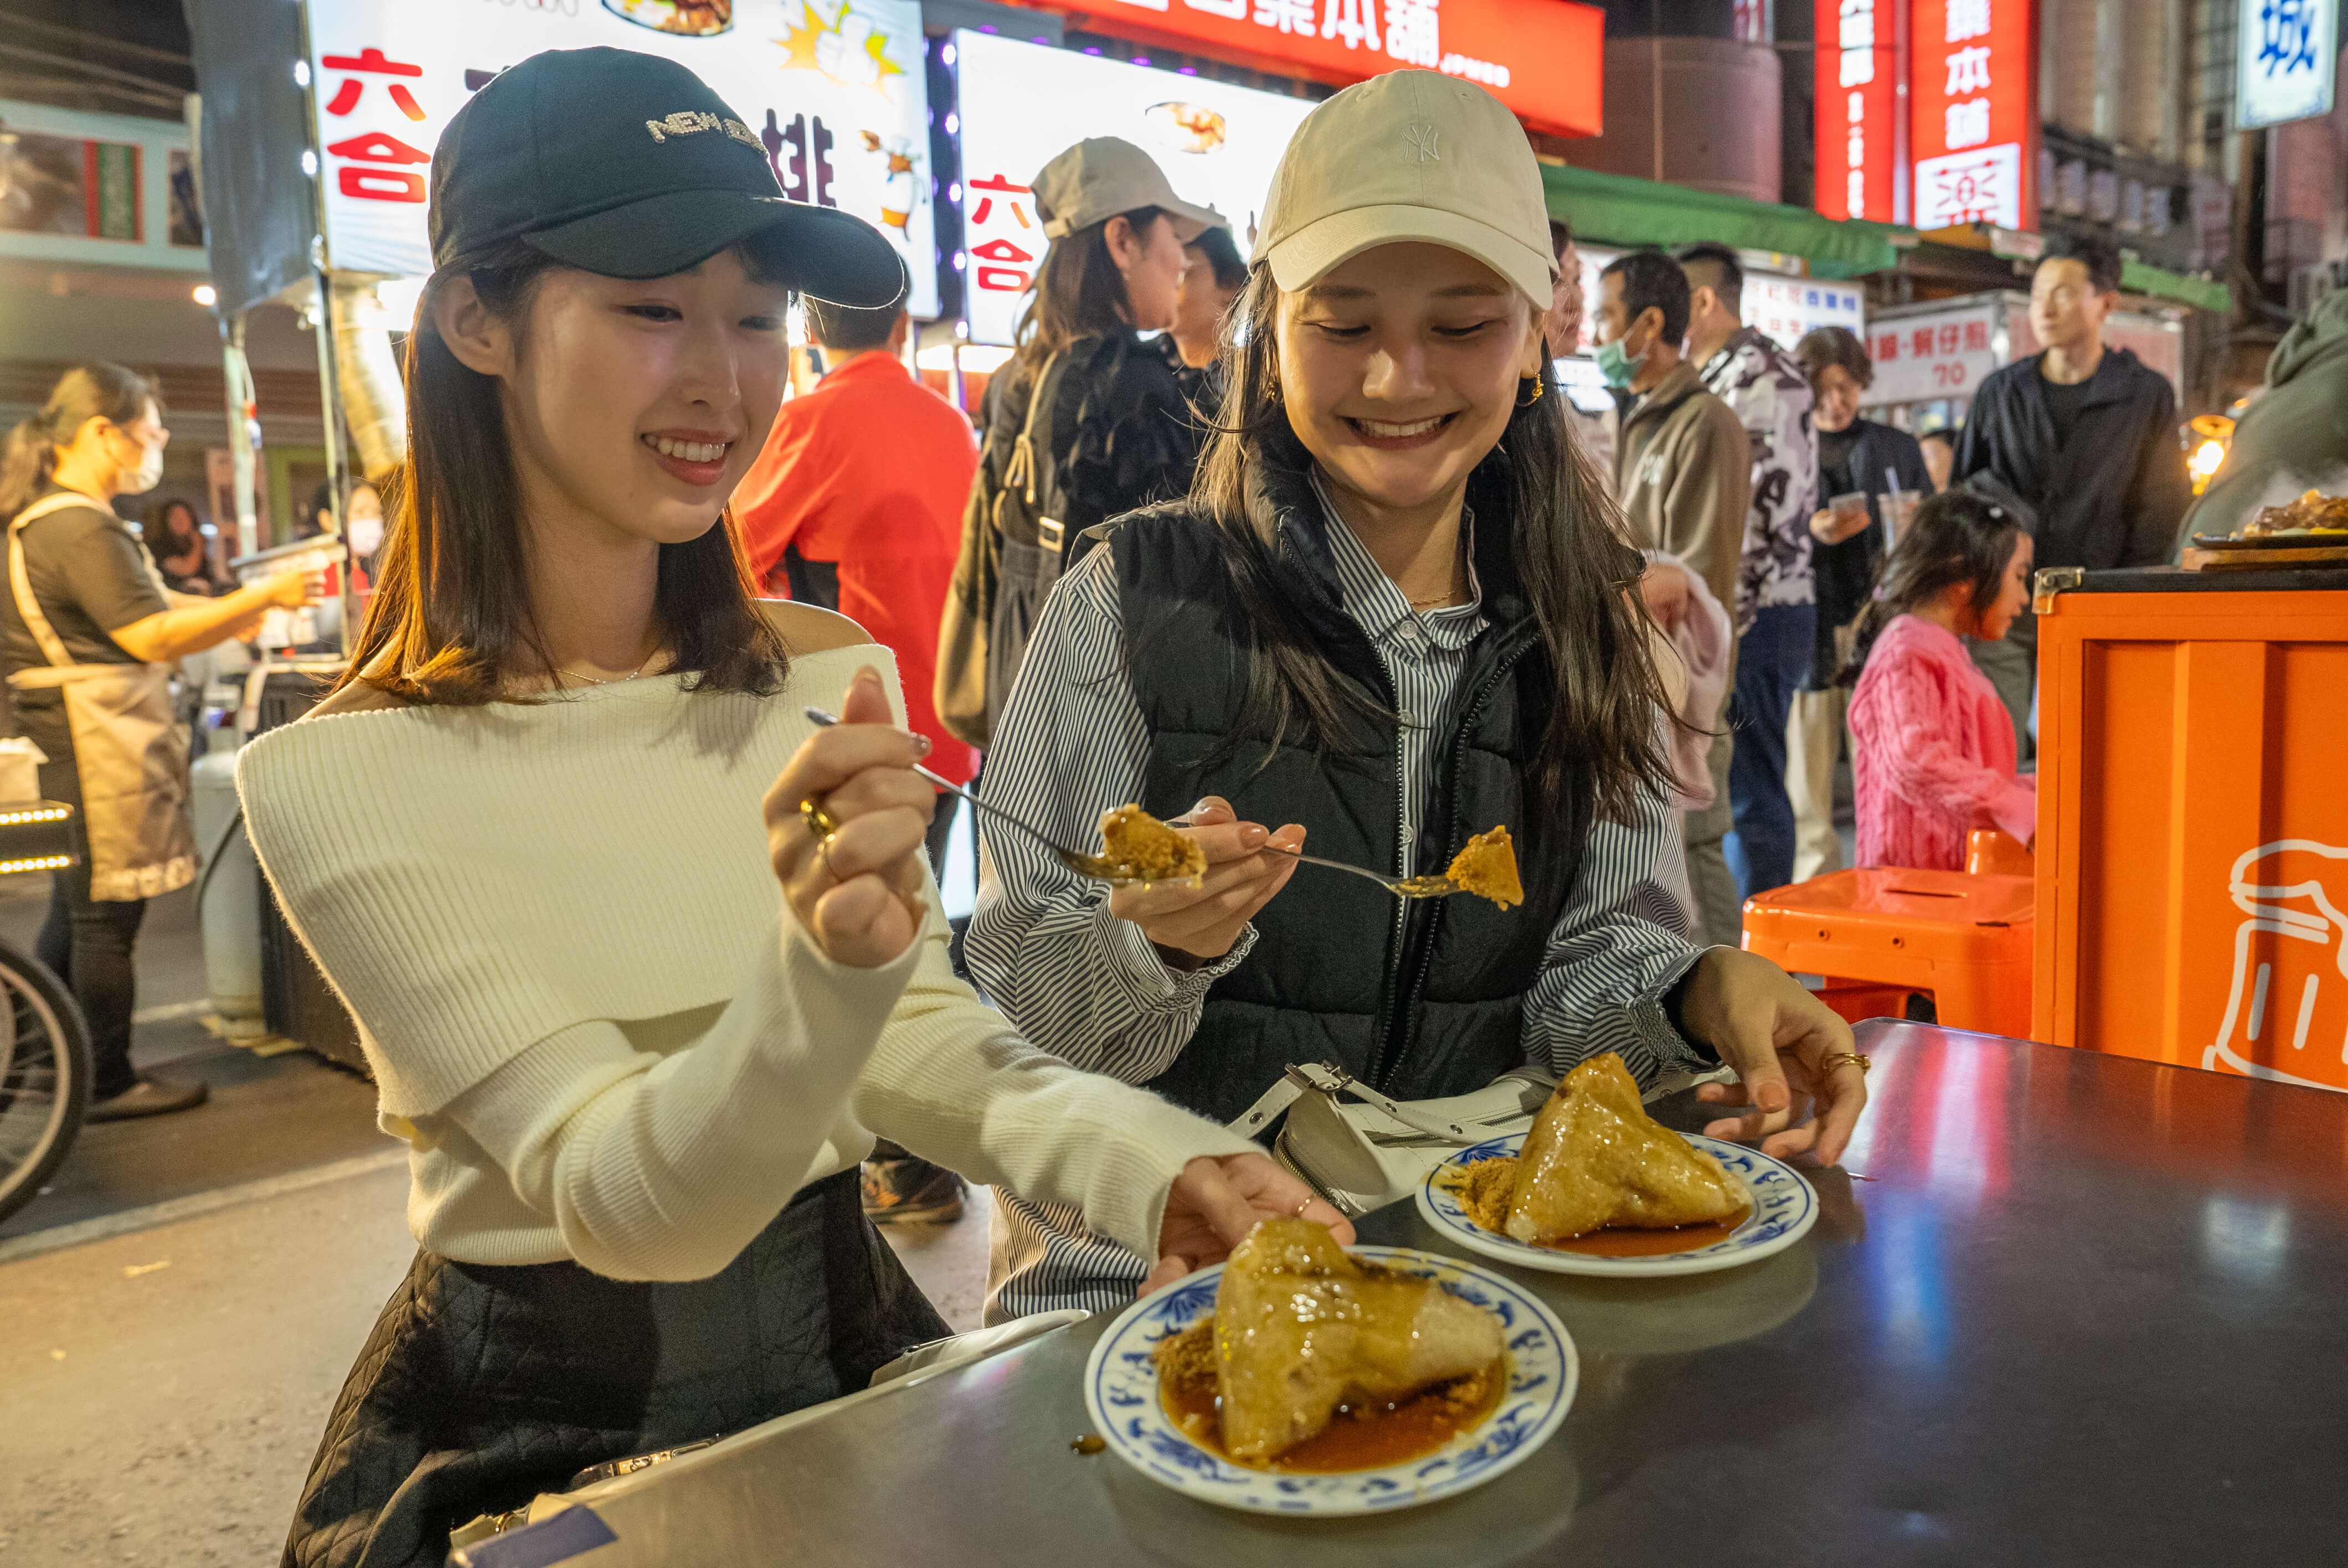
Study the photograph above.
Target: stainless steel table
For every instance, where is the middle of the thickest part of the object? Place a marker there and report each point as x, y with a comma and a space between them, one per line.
2059, 1308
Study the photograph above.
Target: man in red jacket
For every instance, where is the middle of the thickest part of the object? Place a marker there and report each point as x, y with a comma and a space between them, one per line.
855, 504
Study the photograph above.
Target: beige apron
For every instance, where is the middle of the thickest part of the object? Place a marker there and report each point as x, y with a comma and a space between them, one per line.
129, 752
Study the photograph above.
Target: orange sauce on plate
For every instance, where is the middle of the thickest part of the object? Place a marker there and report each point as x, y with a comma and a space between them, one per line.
1371, 1437
1623, 1241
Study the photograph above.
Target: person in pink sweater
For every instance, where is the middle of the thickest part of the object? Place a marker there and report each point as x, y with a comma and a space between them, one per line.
1933, 752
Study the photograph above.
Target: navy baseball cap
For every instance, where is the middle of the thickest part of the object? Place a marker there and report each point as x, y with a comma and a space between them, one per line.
628, 166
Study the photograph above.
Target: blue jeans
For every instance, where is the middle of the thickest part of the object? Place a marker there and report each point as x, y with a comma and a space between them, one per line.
1773, 660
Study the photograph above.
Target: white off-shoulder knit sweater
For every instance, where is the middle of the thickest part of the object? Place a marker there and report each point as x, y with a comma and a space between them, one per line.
593, 1018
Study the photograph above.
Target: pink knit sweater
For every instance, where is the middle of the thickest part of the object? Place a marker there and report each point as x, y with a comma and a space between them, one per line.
1932, 753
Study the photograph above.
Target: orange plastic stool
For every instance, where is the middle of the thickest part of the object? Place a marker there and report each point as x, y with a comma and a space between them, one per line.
1989, 852
1855, 1002
1966, 940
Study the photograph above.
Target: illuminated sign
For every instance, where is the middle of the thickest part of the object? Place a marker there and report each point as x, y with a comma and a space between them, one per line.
1021, 105
2283, 59
1543, 58
835, 91
1972, 113
1857, 110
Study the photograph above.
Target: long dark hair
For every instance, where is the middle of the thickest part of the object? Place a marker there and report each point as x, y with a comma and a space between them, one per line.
96, 390
451, 604
1574, 564
1079, 293
1955, 537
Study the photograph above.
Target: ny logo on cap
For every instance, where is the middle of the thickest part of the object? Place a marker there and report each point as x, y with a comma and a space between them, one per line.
1420, 139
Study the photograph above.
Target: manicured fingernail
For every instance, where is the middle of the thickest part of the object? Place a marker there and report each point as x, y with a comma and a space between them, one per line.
1205, 802
1253, 834
922, 746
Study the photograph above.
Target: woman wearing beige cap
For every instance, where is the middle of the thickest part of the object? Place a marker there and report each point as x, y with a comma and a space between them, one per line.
1395, 608
1085, 422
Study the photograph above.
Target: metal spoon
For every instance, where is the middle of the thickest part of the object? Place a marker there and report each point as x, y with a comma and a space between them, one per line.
820, 823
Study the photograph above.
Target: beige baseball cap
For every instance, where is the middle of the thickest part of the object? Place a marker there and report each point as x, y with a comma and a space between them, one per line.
1101, 177
1409, 155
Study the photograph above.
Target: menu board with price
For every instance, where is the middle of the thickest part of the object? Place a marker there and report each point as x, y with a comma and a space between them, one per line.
1945, 354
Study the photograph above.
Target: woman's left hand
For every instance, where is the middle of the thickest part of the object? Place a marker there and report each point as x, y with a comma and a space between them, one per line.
859, 893
1776, 1036
1216, 1202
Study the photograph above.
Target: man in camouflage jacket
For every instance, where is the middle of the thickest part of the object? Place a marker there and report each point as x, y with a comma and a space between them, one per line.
1776, 607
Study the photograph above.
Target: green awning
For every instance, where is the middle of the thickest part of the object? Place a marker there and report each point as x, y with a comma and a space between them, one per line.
2139, 278
1620, 209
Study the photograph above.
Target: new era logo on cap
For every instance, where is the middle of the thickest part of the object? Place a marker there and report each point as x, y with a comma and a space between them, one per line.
687, 122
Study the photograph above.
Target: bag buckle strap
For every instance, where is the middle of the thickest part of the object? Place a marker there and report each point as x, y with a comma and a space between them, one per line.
1051, 533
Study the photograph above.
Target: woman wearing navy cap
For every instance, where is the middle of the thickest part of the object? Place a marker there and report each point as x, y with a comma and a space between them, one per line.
635, 1022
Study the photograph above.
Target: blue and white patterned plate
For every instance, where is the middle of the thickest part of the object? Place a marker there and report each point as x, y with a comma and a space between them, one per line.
1121, 1392
1784, 1209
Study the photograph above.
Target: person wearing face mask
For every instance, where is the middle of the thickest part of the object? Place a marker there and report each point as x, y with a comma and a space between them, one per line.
1086, 422
642, 955
1683, 475
362, 518
1396, 610
87, 630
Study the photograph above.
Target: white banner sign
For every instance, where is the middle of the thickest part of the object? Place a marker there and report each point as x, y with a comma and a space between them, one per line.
1980, 186
835, 88
1022, 104
2285, 54
1923, 358
1787, 308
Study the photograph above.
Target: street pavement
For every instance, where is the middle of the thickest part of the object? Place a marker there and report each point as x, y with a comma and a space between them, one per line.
180, 1306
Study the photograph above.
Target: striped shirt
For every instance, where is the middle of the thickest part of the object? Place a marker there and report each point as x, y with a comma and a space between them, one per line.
1089, 987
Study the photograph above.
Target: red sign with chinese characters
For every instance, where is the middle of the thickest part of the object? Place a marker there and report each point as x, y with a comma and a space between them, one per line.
1857, 105
1973, 105
1543, 58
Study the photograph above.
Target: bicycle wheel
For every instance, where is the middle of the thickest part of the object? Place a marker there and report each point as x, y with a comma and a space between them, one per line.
45, 1070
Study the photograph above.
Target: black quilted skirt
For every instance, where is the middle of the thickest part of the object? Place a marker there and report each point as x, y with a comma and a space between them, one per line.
482, 1387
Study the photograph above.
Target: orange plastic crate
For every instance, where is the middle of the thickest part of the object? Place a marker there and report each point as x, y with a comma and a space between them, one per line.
2192, 850
1966, 940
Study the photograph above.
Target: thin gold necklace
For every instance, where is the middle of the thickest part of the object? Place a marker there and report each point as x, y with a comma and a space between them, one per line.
611, 680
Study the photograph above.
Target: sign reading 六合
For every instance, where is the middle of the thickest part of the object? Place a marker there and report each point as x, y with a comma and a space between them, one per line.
1021, 104
835, 91
2284, 56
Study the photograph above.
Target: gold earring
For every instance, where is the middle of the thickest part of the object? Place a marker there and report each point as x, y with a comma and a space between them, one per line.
1525, 401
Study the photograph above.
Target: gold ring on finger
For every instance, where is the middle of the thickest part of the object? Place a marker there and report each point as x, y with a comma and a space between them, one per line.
1833, 1061
819, 822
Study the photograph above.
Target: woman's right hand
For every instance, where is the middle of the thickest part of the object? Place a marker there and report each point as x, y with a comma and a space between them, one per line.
289, 590
859, 893
1190, 926
1822, 527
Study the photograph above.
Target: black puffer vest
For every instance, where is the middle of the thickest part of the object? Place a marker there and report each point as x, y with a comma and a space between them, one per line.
1423, 999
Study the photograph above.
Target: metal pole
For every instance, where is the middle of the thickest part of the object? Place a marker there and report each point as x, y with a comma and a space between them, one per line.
243, 425
330, 399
